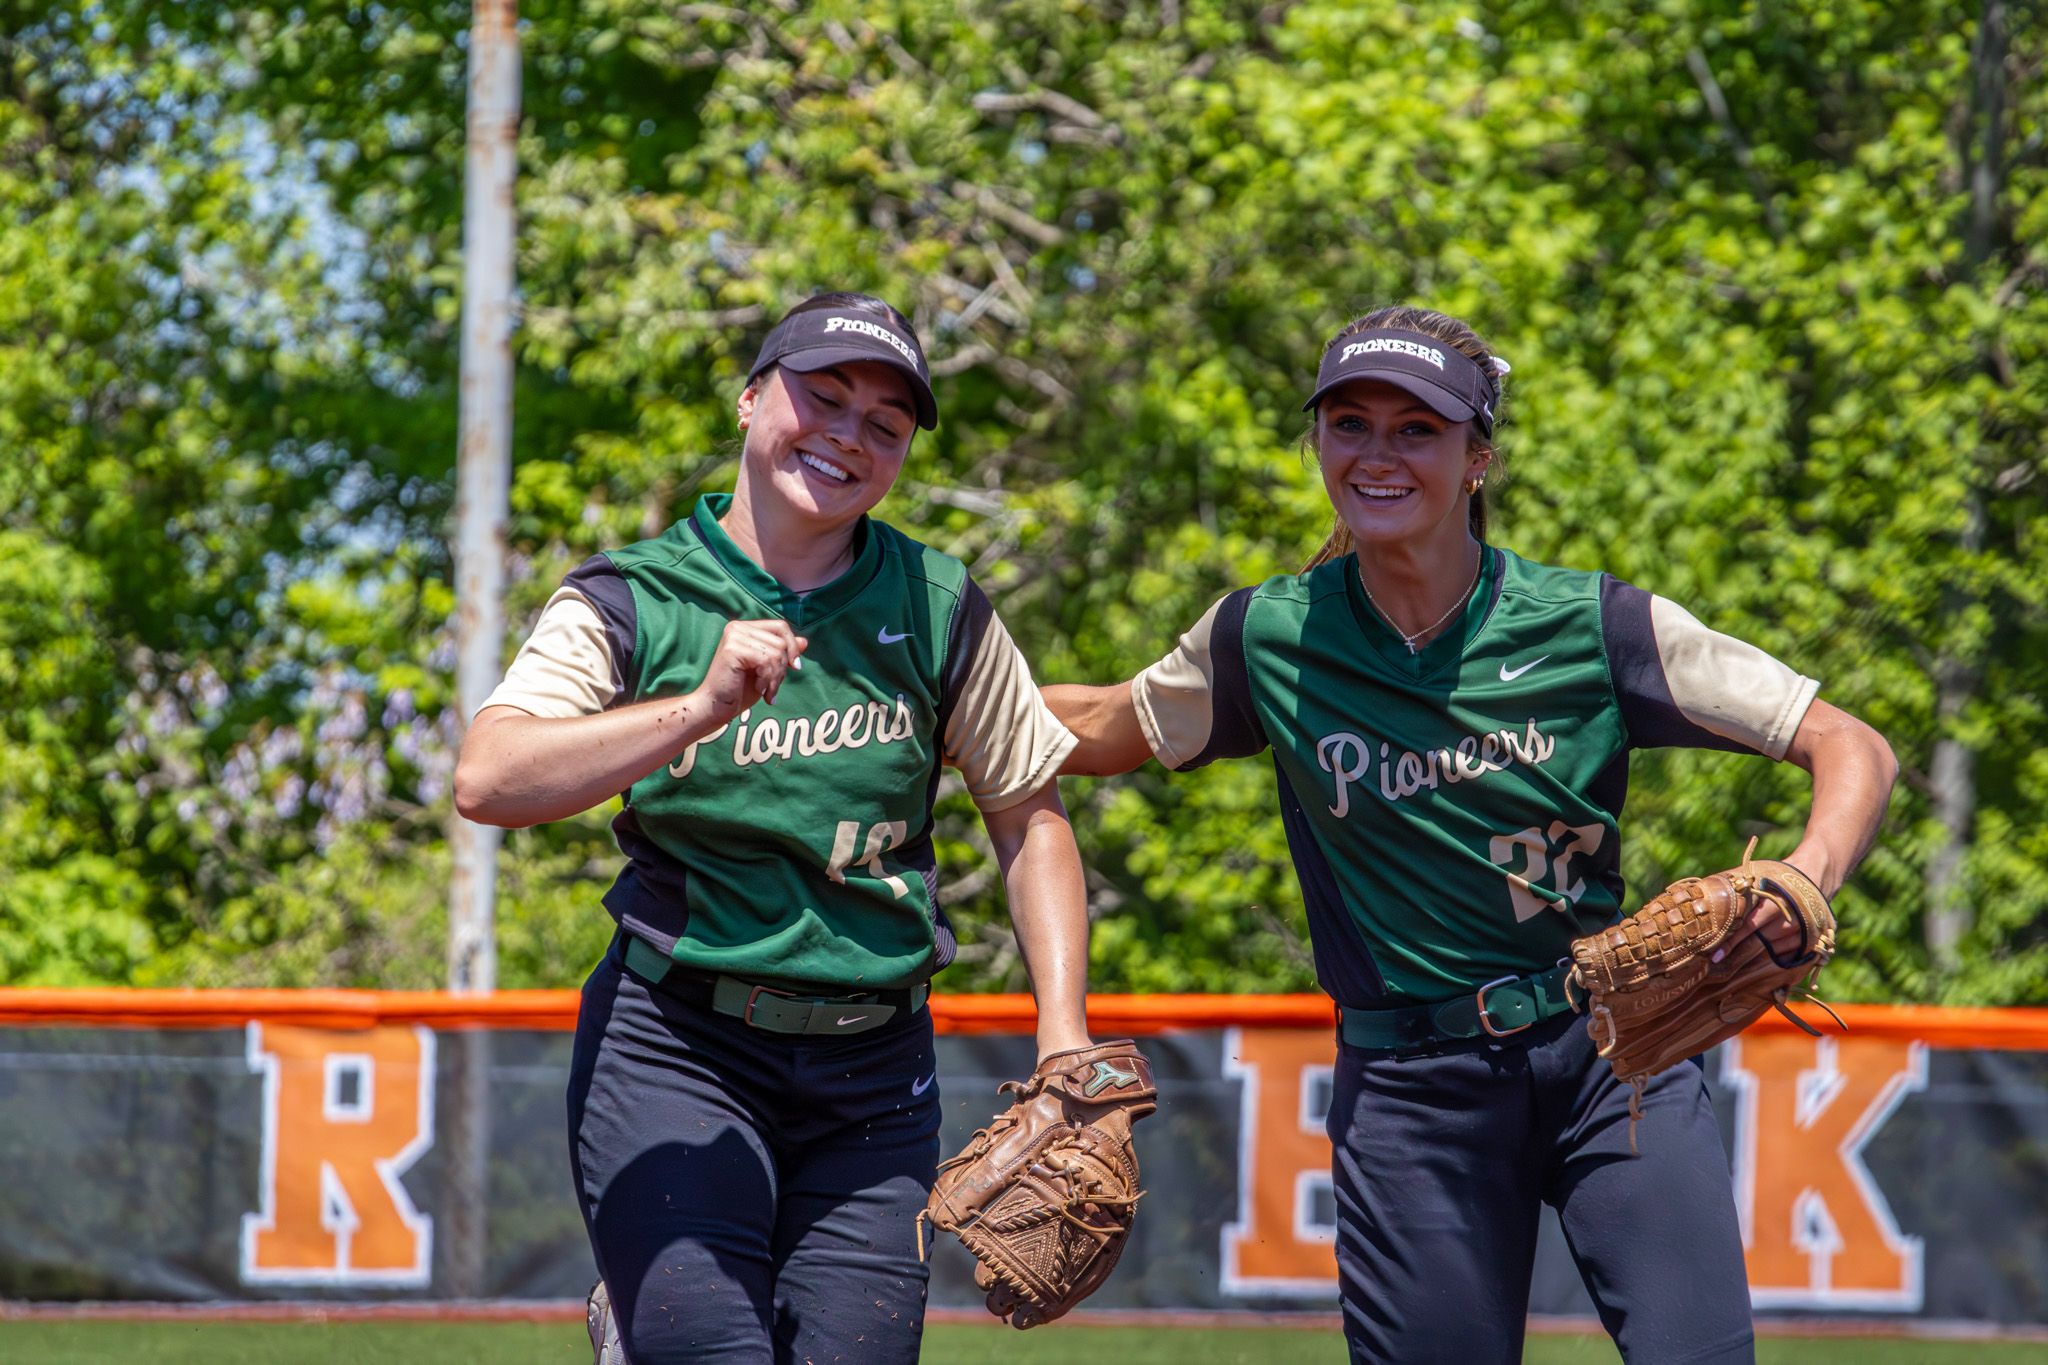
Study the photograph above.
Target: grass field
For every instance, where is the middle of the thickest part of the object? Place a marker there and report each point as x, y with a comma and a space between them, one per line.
392, 1343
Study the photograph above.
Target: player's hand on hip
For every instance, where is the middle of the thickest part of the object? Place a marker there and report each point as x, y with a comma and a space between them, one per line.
752, 660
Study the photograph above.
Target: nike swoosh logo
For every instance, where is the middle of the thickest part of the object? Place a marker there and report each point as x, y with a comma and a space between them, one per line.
884, 637
1506, 675
856, 1019
919, 1087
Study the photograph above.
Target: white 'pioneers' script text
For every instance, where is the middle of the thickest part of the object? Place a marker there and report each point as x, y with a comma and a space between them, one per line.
1346, 757
855, 727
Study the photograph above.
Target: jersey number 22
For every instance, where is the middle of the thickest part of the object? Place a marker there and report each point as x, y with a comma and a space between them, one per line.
1544, 853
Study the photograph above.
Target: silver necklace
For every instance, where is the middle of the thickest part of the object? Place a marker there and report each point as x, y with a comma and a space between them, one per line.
1410, 640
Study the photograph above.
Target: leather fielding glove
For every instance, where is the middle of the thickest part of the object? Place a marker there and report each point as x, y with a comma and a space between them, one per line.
1655, 994
1044, 1197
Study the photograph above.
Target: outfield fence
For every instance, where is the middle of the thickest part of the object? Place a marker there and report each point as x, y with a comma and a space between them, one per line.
256, 1146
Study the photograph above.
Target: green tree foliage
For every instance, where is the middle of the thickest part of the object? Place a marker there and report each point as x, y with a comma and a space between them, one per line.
1767, 275
155, 492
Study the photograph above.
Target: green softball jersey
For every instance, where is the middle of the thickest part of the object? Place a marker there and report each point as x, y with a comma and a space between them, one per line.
793, 845
1453, 812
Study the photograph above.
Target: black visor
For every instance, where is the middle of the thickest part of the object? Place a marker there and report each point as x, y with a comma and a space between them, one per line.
824, 337
1444, 377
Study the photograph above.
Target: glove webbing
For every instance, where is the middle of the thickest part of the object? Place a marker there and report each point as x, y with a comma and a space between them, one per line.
1079, 1192
1600, 1020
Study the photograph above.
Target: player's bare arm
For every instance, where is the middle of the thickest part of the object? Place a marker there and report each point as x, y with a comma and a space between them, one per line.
1853, 771
518, 770
1105, 721
1041, 868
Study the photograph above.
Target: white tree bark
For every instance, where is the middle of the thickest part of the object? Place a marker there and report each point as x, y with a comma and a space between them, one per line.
1952, 783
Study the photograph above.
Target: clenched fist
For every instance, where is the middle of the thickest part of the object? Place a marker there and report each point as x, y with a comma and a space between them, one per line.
753, 657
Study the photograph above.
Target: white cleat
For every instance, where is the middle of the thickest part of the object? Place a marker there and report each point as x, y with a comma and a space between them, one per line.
604, 1328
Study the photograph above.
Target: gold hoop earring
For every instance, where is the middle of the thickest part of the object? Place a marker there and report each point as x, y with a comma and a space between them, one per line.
1472, 486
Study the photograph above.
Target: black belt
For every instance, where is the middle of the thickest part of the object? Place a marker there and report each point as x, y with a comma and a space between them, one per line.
1497, 1009
765, 1007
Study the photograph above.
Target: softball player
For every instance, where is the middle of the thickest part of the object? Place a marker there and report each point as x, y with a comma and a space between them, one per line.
774, 684
1451, 726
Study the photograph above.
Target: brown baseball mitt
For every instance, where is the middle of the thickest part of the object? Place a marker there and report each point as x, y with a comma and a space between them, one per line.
1044, 1196
1655, 994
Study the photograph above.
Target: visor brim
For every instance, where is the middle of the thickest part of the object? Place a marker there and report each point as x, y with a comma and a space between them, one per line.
810, 358
1440, 399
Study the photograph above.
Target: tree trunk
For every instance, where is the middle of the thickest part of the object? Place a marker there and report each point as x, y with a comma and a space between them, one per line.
1952, 780
1952, 774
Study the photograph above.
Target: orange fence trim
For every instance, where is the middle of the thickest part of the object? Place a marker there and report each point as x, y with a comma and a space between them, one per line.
2008, 1030
123, 1008
555, 1011
1136, 1014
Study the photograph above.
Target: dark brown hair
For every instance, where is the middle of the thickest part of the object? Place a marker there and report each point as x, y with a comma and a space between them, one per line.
1453, 333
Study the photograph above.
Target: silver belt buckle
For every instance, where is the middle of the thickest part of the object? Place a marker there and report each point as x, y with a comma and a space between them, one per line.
1480, 1000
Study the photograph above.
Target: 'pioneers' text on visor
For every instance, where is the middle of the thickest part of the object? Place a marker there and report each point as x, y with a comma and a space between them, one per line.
866, 328
1415, 348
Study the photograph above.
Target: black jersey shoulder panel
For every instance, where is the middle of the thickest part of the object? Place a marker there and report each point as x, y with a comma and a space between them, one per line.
601, 584
1648, 711
964, 635
1234, 728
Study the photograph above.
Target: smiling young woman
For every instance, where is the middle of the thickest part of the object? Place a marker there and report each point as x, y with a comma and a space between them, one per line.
773, 683
1405, 477
1451, 726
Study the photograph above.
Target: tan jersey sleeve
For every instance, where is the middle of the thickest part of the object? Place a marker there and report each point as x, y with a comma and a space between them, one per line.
1727, 686
565, 667
999, 733
1195, 705
1175, 698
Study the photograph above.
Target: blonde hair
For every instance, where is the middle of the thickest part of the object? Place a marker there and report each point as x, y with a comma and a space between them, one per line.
1451, 332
